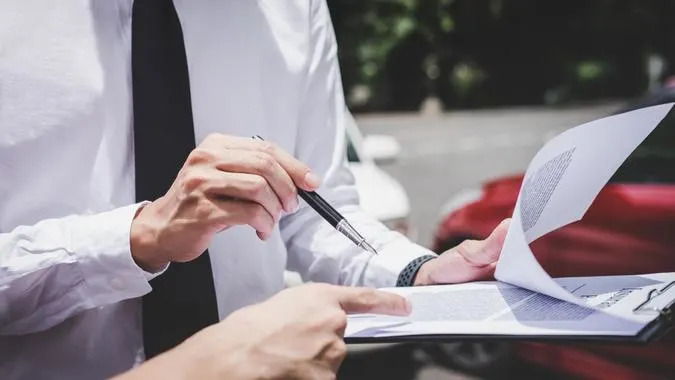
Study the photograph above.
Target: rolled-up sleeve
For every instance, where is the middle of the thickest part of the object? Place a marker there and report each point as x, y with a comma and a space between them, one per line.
58, 267
315, 249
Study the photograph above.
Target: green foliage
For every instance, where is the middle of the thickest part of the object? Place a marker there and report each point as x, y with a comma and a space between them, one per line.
474, 53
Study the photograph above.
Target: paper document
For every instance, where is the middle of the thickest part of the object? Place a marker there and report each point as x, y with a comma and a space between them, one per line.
560, 183
559, 186
496, 308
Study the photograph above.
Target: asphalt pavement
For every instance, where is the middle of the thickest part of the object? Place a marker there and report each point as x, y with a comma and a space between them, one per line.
441, 156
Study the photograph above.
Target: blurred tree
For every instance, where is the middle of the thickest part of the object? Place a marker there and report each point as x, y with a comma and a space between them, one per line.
475, 53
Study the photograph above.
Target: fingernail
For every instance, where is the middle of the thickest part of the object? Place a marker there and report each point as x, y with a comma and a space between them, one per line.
312, 180
292, 205
408, 306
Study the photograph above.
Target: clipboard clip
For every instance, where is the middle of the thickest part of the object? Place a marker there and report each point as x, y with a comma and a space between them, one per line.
645, 308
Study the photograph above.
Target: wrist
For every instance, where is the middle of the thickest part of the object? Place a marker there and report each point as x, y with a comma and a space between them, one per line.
207, 355
410, 275
143, 241
172, 364
423, 276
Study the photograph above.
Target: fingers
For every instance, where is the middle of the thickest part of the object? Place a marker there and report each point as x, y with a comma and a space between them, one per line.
239, 212
366, 300
265, 166
471, 260
499, 233
335, 353
242, 186
484, 252
300, 174
485, 272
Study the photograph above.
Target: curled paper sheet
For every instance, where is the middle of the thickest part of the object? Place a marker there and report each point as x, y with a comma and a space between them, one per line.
560, 184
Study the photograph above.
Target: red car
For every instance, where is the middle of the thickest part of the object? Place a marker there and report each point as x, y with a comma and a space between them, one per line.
629, 229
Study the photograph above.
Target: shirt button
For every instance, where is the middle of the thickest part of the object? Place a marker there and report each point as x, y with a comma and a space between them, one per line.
117, 283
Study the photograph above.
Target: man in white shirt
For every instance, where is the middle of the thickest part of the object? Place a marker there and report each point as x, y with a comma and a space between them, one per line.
76, 250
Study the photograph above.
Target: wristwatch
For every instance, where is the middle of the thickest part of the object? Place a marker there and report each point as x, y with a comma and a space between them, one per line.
407, 275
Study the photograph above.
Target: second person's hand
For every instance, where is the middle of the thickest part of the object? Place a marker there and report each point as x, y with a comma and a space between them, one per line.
297, 334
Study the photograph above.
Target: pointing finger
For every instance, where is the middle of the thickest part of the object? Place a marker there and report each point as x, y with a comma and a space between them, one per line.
366, 300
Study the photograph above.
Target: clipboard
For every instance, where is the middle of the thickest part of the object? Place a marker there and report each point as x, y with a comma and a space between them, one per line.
651, 332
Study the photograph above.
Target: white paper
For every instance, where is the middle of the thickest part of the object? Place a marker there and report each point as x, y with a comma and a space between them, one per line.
495, 308
559, 185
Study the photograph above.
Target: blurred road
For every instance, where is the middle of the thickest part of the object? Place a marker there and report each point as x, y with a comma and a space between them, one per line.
447, 153
441, 156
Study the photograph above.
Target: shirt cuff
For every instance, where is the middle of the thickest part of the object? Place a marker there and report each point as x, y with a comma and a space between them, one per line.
384, 268
102, 245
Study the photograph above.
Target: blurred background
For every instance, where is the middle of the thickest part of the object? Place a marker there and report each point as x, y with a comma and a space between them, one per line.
397, 55
452, 98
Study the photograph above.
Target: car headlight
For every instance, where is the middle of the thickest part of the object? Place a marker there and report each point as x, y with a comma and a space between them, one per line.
401, 225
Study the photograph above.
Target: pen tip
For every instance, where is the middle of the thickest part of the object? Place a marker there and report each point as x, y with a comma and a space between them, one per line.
367, 247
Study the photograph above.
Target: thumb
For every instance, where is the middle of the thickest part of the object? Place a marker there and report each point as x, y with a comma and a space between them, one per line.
484, 252
495, 241
366, 300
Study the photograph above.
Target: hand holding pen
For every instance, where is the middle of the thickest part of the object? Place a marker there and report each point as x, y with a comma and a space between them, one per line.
332, 216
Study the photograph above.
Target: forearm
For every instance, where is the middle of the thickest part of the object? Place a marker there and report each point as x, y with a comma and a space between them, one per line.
220, 351
319, 253
59, 267
171, 365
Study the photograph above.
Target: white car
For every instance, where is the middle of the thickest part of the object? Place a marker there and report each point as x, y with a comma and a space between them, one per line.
380, 194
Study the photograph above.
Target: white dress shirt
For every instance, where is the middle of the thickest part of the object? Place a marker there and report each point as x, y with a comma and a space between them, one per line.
69, 288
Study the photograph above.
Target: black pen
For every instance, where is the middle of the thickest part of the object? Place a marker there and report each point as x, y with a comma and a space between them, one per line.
332, 216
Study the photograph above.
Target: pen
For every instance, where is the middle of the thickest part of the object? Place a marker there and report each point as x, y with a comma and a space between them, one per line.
332, 216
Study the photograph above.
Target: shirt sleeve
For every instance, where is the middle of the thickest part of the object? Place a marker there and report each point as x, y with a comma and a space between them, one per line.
59, 267
315, 249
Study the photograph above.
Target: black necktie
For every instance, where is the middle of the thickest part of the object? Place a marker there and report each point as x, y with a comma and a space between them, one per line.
183, 299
